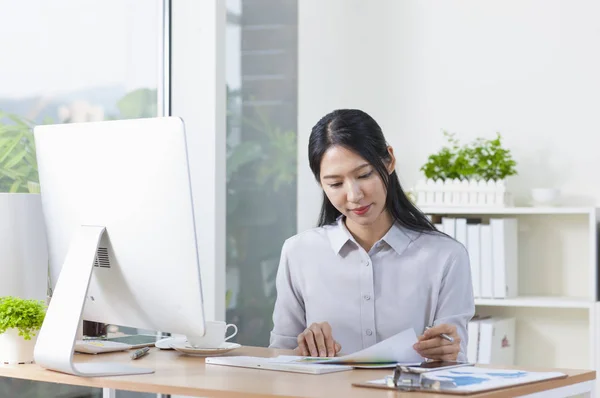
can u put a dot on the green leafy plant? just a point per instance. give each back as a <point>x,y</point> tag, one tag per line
<point>491,160</point>
<point>18,164</point>
<point>483,159</point>
<point>24,315</point>
<point>450,162</point>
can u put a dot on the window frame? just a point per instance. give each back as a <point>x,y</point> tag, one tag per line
<point>198,96</point>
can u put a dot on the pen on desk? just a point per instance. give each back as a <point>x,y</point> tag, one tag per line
<point>139,353</point>
<point>443,335</point>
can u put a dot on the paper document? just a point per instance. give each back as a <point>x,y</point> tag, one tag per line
<point>387,353</point>
<point>396,349</point>
<point>473,379</point>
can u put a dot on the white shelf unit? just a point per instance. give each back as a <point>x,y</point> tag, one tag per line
<point>507,210</point>
<point>536,302</point>
<point>557,311</point>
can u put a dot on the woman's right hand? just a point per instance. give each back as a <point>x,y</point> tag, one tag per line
<point>317,341</point>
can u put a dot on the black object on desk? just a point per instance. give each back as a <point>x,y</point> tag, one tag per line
<point>414,378</point>
<point>407,378</point>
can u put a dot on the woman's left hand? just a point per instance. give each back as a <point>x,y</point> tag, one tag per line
<point>432,346</point>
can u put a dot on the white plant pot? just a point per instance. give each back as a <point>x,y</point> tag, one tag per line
<point>14,349</point>
<point>463,193</point>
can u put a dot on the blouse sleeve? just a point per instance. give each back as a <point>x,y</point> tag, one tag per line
<point>289,319</point>
<point>456,304</point>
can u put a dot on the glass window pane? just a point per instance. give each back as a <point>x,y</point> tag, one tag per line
<point>71,61</point>
<point>261,56</point>
<point>74,61</point>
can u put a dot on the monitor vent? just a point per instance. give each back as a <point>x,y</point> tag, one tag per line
<point>102,258</point>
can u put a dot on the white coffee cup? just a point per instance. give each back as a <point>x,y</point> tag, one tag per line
<point>214,335</point>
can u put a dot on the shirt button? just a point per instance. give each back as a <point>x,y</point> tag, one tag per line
<point>369,332</point>
<point>367,297</point>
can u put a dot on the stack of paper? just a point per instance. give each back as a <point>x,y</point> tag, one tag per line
<point>394,350</point>
<point>397,349</point>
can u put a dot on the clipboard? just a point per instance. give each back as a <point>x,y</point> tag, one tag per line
<point>405,379</point>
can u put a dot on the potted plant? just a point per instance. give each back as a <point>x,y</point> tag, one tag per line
<point>20,321</point>
<point>449,163</point>
<point>465,175</point>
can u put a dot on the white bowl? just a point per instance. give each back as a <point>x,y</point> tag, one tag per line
<point>544,196</point>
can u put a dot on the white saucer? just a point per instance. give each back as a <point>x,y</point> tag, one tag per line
<point>183,347</point>
<point>165,344</point>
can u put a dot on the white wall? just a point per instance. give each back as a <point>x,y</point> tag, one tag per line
<point>528,69</point>
<point>339,66</point>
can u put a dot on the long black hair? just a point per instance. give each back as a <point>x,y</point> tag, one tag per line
<point>355,130</point>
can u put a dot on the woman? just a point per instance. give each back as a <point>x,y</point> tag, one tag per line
<point>376,265</point>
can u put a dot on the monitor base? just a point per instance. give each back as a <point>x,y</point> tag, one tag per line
<point>56,340</point>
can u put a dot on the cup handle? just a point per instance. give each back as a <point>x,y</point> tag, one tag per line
<point>234,332</point>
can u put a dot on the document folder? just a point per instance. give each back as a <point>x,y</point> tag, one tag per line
<point>459,381</point>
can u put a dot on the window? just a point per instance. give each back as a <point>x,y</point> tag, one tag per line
<point>70,61</point>
<point>261,75</point>
<point>73,61</point>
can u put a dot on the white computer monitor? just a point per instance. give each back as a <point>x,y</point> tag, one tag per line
<point>117,204</point>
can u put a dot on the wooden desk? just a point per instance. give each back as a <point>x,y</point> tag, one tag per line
<point>178,374</point>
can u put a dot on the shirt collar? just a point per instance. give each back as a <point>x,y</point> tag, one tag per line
<point>339,235</point>
<point>398,237</point>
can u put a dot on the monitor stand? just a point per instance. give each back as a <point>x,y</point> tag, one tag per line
<point>56,340</point>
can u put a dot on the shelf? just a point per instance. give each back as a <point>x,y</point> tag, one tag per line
<point>507,210</point>
<point>537,302</point>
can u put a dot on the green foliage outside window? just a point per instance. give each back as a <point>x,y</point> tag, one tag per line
<point>18,164</point>
<point>261,204</point>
